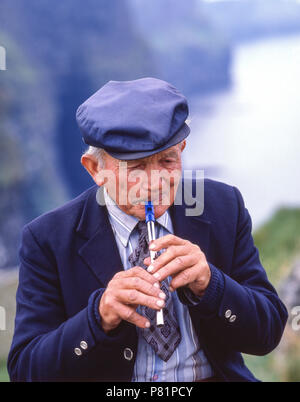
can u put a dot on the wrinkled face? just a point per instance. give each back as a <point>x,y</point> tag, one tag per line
<point>132,183</point>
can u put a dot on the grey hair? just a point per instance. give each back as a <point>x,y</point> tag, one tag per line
<point>98,153</point>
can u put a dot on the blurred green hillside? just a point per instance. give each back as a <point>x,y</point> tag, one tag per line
<point>278,242</point>
<point>3,372</point>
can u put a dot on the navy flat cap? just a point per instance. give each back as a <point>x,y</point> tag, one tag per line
<point>134,119</point>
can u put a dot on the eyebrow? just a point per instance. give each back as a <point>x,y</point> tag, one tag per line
<point>170,154</point>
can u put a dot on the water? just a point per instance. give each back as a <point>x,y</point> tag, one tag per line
<point>249,136</point>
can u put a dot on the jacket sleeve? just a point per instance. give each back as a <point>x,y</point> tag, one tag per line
<point>242,304</point>
<point>45,341</point>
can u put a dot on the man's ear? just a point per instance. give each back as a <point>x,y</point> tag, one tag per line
<point>182,145</point>
<point>90,163</point>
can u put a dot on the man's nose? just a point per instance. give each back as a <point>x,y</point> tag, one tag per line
<point>152,183</point>
<point>148,186</point>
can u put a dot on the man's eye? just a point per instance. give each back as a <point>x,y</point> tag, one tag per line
<point>136,167</point>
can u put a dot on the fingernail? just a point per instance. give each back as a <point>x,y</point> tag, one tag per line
<point>156,275</point>
<point>147,325</point>
<point>156,285</point>
<point>150,268</point>
<point>162,295</point>
<point>160,303</point>
<point>152,246</point>
<point>171,289</point>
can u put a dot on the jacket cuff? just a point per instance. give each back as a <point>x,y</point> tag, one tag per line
<point>95,320</point>
<point>208,304</point>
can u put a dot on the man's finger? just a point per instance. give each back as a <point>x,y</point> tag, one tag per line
<point>139,284</point>
<point>184,278</point>
<point>147,261</point>
<point>135,272</point>
<point>197,277</point>
<point>175,266</point>
<point>128,313</point>
<point>169,255</point>
<point>132,296</point>
<point>166,241</point>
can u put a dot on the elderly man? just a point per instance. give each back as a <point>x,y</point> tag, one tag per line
<point>88,292</point>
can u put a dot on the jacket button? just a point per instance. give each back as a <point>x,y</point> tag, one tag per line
<point>128,354</point>
<point>227,313</point>
<point>232,318</point>
<point>78,352</point>
<point>83,345</point>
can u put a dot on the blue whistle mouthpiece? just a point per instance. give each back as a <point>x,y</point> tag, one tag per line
<point>149,212</point>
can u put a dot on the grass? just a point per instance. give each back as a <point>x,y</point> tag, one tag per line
<point>3,371</point>
<point>7,300</point>
<point>278,242</point>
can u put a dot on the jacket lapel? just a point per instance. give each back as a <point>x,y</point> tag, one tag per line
<point>196,229</point>
<point>99,251</point>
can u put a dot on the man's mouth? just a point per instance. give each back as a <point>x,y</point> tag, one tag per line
<point>157,199</point>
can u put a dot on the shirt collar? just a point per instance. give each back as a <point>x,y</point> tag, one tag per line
<point>124,223</point>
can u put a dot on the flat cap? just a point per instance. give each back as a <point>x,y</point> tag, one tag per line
<point>134,119</point>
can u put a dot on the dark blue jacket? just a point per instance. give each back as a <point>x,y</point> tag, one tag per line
<point>68,256</point>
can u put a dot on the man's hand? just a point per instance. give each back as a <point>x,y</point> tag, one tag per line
<point>183,261</point>
<point>124,293</point>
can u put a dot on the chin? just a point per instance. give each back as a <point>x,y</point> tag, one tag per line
<point>160,210</point>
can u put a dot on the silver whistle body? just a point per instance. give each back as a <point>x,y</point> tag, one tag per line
<point>152,236</point>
